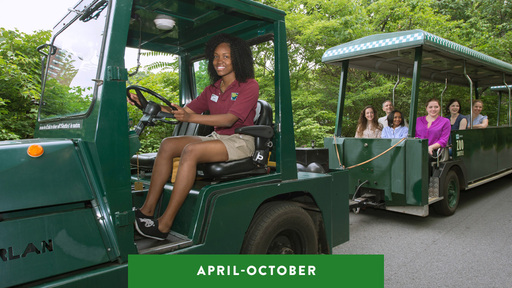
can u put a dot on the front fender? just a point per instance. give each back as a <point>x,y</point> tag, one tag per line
<point>54,178</point>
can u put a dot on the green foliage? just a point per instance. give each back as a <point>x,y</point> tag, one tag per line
<point>402,15</point>
<point>312,27</point>
<point>314,117</point>
<point>20,82</point>
<point>202,79</point>
<point>62,100</point>
<point>483,25</point>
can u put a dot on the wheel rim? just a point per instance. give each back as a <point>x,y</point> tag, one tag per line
<point>286,242</point>
<point>452,193</point>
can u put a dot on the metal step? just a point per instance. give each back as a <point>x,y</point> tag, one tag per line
<point>432,200</point>
<point>367,199</point>
<point>174,241</point>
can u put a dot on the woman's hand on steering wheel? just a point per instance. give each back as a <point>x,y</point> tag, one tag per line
<point>133,100</point>
<point>140,101</point>
<point>180,113</point>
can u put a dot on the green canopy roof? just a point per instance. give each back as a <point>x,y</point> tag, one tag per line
<point>442,59</point>
<point>501,88</point>
<point>199,20</point>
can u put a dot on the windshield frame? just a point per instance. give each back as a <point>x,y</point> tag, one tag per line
<point>57,32</point>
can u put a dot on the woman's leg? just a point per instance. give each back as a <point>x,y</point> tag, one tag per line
<point>194,153</point>
<point>170,148</point>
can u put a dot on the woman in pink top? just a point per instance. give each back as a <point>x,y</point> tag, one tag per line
<point>433,127</point>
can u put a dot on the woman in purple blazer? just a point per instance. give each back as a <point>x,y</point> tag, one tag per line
<point>433,127</point>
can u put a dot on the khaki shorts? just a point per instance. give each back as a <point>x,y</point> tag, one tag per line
<point>238,145</point>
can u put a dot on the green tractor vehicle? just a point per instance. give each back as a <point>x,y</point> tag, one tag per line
<point>67,195</point>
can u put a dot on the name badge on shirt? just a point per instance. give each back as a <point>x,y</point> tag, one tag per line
<point>214,98</point>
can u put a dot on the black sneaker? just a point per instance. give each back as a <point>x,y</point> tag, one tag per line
<point>139,218</point>
<point>139,214</point>
<point>149,228</point>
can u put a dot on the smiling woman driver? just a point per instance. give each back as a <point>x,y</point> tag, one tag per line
<point>231,99</point>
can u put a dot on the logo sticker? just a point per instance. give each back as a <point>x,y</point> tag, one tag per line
<point>233,96</point>
<point>214,98</point>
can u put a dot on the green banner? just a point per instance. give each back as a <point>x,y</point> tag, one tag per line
<point>256,270</point>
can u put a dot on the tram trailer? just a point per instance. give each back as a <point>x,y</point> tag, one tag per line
<point>397,174</point>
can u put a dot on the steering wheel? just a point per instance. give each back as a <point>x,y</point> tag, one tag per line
<point>152,111</point>
<point>143,101</point>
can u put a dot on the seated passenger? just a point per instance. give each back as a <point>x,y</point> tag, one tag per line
<point>457,120</point>
<point>367,126</point>
<point>231,99</point>
<point>398,128</point>
<point>479,121</point>
<point>387,107</point>
<point>433,127</point>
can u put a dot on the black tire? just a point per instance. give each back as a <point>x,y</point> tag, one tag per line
<point>281,228</point>
<point>450,190</point>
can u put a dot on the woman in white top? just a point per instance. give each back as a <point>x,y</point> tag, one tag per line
<point>367,126</point>
<point>479,121</point>
<point>397,129</point>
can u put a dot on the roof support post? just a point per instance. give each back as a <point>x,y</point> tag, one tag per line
<point>470,96</point>
<point>442,93</point>
<point>341,97</point>
<point>284,139</point>
<point>186,85</point>
<point>396,84</point>
<point>475,85</point>
<point>499,109</point>
<point>509,94</point>
<point>415,89</point>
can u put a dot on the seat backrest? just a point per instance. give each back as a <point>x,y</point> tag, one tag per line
<point>244,167</point>
<point>192,129</point>
<point>263,117</point>
<point>263,113</point>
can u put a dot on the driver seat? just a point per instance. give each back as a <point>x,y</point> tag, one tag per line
<point>262,132</point>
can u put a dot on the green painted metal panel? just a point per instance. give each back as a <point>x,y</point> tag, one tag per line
<point>484,152</point>
<point>231,210</point>
<point>400,173</point>
<point>201,223</point>
<point>417,172</point>
<point>480,157</point>
<point>56,177</point>
<point>50,244</point>
<point>108,276</point>
<point>337,217</point>
<point>504,148</point>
